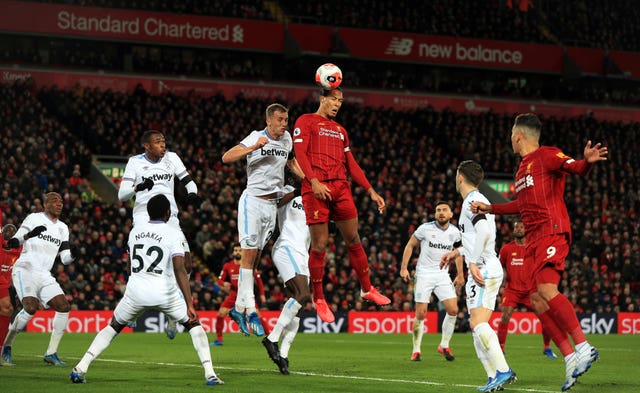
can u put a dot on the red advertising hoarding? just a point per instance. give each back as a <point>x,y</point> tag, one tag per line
<point>401,46</point>
<point>628,323</point>
<point>520,323</point>
<point>120,24</point>
<point>628,62</point>
<point>389,322</point>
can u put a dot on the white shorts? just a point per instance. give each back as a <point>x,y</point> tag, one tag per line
<point>129,308</point>
<point>40,285</point>
<point>173,221</point>
<point>256,221</point>
<point>485,297</point>
<point>438,283</point>
<point>290,262</point>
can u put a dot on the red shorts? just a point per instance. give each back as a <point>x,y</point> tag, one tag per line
<point>512,298</point>
<point>340,207</point>
<point>548,251</point>
<point>4,292</point>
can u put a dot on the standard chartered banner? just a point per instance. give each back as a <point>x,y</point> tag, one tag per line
<point>383,322</point>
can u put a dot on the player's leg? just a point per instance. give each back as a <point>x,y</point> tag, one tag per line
<point>539,306</point>
<point>359,261</point>
<point>319,239</point>
<point>448,326</point>
<point>62,307</point>
<point>222,313</point>
<point>101,342</point>
<point>503,328</point>
<point>26,286</point>
<point>418,330</point>
<point>6,309</point>
<point>481,306</point>
<point>288,335</point>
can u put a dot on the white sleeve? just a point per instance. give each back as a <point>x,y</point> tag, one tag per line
<point>181,173</point>
<point>250,140</point>
<point>483,233</point>
<point>26,227</point>
<point>65,255</point>
<point>127,190</point>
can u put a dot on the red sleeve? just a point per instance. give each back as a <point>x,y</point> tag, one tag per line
<point>555,159</point>
<point>224,275</point>
<point>503,255</point>
<point>301,139</point>
<point>506,208</point>
<point>259,282</point>
<point>357,174</point>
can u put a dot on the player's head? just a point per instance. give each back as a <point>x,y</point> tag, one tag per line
<point>159,208</point>
<point>8,231</point>
<point>53,204</point>
<point>330,102</point>
<point>526,130</point>
<point>277,119</point>
<point>518,229</point>
<point>154,144</point>
<point>237,251</point>
<point>469,173</point>
<point>444,212</point>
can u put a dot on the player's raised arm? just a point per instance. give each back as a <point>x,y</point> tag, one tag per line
<point>595,153</point>
<point>240,150</point>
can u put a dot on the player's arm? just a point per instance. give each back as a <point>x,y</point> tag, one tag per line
<point>294,166</point>
<point>65,249</point>
<point>128,188</point>
<point>260,285</point>
<point>592,155</point>
<point>458,281</point>
<point>27,230</point>
<point>503,208</point>
<point>245,147</point>
<point>183,283</point>
<point>406,256</point>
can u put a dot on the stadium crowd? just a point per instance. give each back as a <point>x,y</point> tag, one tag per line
<point>49,136</point>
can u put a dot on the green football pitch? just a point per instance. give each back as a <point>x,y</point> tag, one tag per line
<point>327,363</point>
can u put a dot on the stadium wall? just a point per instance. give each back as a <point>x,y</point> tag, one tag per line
<point>291,94</point>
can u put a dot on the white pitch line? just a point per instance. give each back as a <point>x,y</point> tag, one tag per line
<point>312,374</point>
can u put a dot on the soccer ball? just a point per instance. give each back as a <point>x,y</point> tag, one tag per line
<point>328,76</point>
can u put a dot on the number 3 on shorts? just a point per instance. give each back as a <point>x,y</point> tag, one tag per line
<point>551,251</point>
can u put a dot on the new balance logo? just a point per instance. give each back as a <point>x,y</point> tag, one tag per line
<point>399,46</point>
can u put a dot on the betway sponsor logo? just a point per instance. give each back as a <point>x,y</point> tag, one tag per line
<point>50,239</point>
<point>297,205</point>
<point>273,152</point>
<point>462,53</point>
<point>440,246</point>
<point>157,177</point>
<point>150,26</point>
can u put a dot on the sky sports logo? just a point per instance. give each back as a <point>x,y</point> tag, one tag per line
<point>399,46</point>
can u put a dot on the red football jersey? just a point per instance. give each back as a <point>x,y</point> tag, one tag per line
<point>7,259</point>
<point>539,185</point>
<point>323,142</point>
<point>512,259</point>
<point>231,272</point>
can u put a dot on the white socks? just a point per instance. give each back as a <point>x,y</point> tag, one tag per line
<point>19,323</point>
<point>99,344</point>
<point>417,332</point>
<point>448,326</point>
<point>289,334</point>
<point>246,299</point>
<point>489,340</point>
<point>289,311</point>
<point>201,344</point>
<point>59,325</point>
<point>483,356</point>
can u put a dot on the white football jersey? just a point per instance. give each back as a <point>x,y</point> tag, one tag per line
<point>152,246</point>
<point>265,166</point>
<point>488,263</point>
<point>39,253</point>
<point>163,173</point>
<point>434,243</point>
<point>292,222</point>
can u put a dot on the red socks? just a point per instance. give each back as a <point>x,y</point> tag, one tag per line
<point>267,331</point>
<point>4,328</point>
<point>219,327</point>
<point>316,270</point>
<point>360,264</point>
<point>558,335</point>
<point>503,329</point>
<point>566,318</point>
